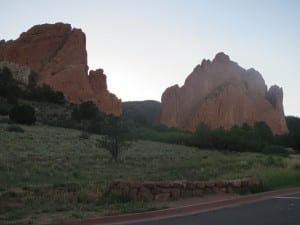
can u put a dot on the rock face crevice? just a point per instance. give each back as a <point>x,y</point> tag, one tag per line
<point>57,52</point>
<point>220,93</point>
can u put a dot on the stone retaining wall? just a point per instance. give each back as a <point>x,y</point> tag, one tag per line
<point>172,190</point>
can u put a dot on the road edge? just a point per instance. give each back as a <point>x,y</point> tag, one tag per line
<point>180,211</point>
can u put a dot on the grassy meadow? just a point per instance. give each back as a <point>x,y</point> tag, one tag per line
<point>49,173</point>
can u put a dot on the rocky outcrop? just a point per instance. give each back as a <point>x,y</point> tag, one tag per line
<point>220,93</point>
<point>57,53</point>
<point>173,190</point>
<point>103,99</point>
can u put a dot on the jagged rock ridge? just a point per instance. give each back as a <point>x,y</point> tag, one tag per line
<point>57,52</point>
<point>220,93</point>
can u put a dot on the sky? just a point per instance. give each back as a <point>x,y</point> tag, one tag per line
<point>145,46</point>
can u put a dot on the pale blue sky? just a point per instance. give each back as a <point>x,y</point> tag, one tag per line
<point>144,46</point>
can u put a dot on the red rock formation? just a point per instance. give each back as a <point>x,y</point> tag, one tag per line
<point>220,93</point>
<point>57,52</point>
<point>105,100</point>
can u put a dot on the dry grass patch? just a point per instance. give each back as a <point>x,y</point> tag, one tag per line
<point>293,162</point>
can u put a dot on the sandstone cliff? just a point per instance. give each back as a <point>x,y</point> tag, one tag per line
<point>57,52</point>
<point>220,93</point>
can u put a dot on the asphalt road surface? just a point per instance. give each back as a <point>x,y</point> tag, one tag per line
<point>283,210</point>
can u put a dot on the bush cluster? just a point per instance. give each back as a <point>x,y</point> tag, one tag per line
<point>5,107</point>
<point>42,93</point>
<point>258,138</point>
<point>45,94</point>
<point>9,87</point>
<point>85,111</point>
<point>12,90</point>
<point>23,114</point>
<point>292,139</point>
<point>240,139</point>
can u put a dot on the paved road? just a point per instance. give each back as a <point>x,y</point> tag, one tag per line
<point>283,210</point>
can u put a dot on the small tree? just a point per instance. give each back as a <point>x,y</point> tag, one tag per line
<point>32,80</point>
<point>50,95</point>
<point>205,136</point>
<point>292,139</point>
<point>5,107</point>
<point>85,111</point>
<point>9,87</point>
<point>24,114</point>
<point>263,132</point>
<point>42,93</point>
<point>116,138</point>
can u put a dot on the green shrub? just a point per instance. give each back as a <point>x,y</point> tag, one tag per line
<point>52,96</point>
<point>292,139</point>
<point>84,135</point>
<point>275,149</point>
<point>85,111</point>
<point>5,120</point>
<point>9,87</point>
<point>5,107</point>
<point>15,128</point>
<point>45,94</point>
<point>32,80</point>
<point>23,114</point>
<point>263,131</point>
<point>96,127</point>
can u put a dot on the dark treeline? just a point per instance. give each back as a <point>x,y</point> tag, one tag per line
<point>258,138</point>
<point>255,139</point>
<point>292,139</point>
<point>12,90</point>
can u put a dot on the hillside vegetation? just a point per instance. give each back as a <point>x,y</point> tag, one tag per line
<point>49,173</point>
<point>139,117</point>
<point>55,168</point>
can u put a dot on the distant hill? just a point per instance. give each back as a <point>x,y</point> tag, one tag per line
<point>141,112</point>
